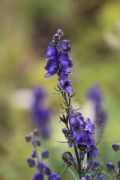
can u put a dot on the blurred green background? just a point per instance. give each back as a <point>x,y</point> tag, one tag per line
<point>26,27</point>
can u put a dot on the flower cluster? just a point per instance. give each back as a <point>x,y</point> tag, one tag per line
<point>37,161</point>
<point>40,115</point>
<point>58,61</point>
<point>116,146</point>
<point>81,133</point>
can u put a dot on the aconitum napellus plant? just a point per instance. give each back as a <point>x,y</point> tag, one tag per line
<point>78,131</point>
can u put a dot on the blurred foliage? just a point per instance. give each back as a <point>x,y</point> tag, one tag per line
<point>26,27</point>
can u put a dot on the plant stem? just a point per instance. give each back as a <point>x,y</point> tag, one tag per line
<point>68,104</point>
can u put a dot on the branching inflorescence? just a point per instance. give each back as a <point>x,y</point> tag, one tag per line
<point>41,116</point>
<point>78,131</point>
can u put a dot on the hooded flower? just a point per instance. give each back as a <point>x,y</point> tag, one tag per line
<point>58,61</point>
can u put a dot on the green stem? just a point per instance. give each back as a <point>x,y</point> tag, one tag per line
<point>68,104</point>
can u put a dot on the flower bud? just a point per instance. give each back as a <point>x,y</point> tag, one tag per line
<point>28,137</point>
<point>67,158</point>
<point>45,153</point>
<point>31,162</point>
<point>110,166</point>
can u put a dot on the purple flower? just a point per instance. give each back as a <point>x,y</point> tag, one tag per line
<point>38,176</point>
<point>70,143</point>
<point>110,166</point>
<point>34,154</point>
<point>116,147</point>
<point>94,152</point>
<point>65,85</point>
<point>28,137</point>
<point>51,51</point>
<point>45,153</point>
<point>31,162</point>
<point>100,177</point>
<point>65,62</point>
<point>87,177</point>
<point>36,143</point>
<point>54,176</point>
<point>38,94</point>
<point>66,133</point>
<point>51,67</point>
<point>43,168</point>
<point>89,126</point>
<point>84,137</point>
<point>95,165</point>
<point>76,120</point>
<point>94,95</point>
<point>65,46</point>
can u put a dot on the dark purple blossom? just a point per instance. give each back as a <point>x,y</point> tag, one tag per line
<point>93,152</point>
<point>65,46</point>
<point>51,52</point>
<point>118,164</point>
<point>36,143</point>
<point>87,177</point>
<point>66,133</point>
<point>110,166</point>
<point>85,137</point>
<point>43,168</point>
<point>116,147</point>
<point>89,126</point>
<point>54,176</point>
<point>100,177</point>
<point>45,153</point>
<point>28,137</point>
<point>64,62</point>
<point>58,61</point>
<point>38,176</point>
<point>34,153</point>
<point>70,143</point>
<point>95,165</point>
<point>31,162</point>
<point>65,85</point>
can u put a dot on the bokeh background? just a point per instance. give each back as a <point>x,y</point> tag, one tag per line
<point>26,27</point>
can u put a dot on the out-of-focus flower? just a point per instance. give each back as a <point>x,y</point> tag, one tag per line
<point>95,165</point>
<point>54,176</point>
<point>110,166</point>
<point>38,176</point>
<point>116,146</point>
<point>94,95</point>
<point>40,115</point>
<point>45,153</point>
<point>100,177</point>
<point>67,158</point>
<point>31,162</point>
